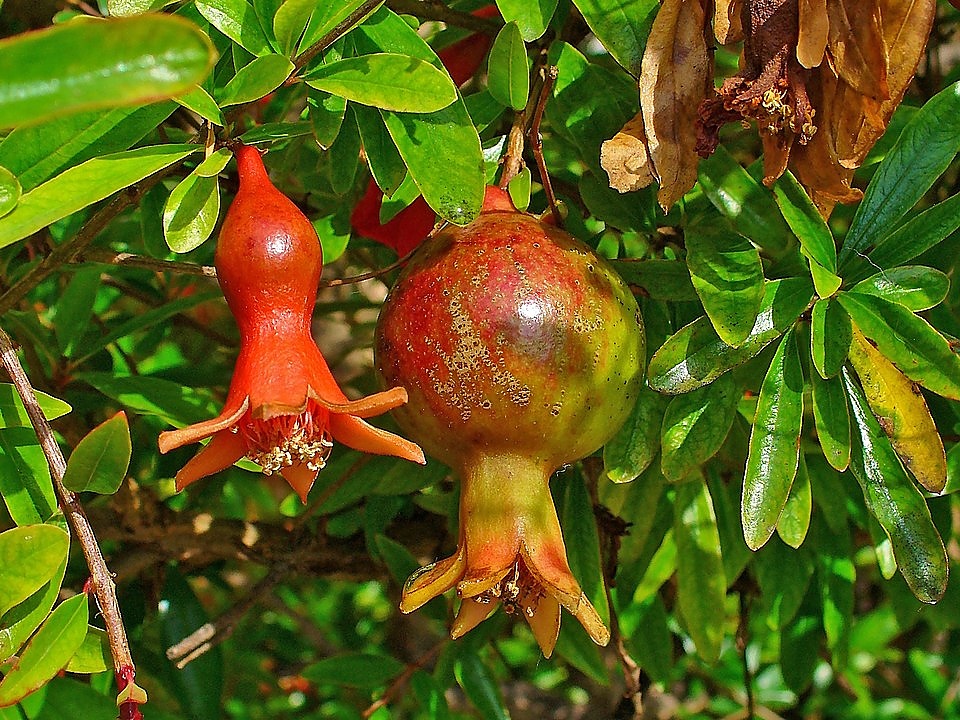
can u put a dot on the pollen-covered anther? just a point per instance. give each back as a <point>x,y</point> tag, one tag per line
<point>287,440</point>
<point>519,592</point>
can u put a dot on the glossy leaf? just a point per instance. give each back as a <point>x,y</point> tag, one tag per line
<point>14,414</point>
<point>29,558</point>
<point>695,425</point>
<point>327,16</point>
<point>167,400</point>
<point>354,670</point>
<point>837,574</point>
<point>774,445</point>
<point>10,191</point>
<point>830,333</point>
<point>389,81</point>
<point>805,221</point>
<point>191,212</point>
<point>795,518</point>
<point>658,278</point>
<point>628,453</point>
<point>100,460</point>
<point>920,352</point>
<point>290,21</point>
<point>918,234</point>
<point>914,286</point>
<point>896,503</point>
<point>238,21</point>
<point>261,77</point>
<point>84,185</point>
<point>480,687</point>
<point>695,355</point>
<point>783,575</point>
<point>74,309</point>
<point>577,520</point>
<point>93,655</point>
<point>382,155</point>
<point>832,420</point>
<point>120,8</point>
<point>326,116</point>
<point>902,413</point>
<point>507,76</point>
<point>199,101</point>
<point>622,26</point>
<point>20,622</point>
<point>137,59</point>
<point>825,282</point>
<point>531,16</point>
<point>701,585</point>
<point>48,652</point>
<point>925,148</point>
<point>726,272</point>
<point>25,483</point>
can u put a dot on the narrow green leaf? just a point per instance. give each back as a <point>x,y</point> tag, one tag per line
<point>25,483</point>
<point>84,185</point>
<point>275,131</point>
<point>921,353</point>
<point>795,519</point>
<point>199,101</point>
<point>520,187</point>
<point>290,21</point>
<point>837,574</point>
<point>825,282</point>
<point>238,21</point>
<point>100,460</point>
<point>578,521</point>
<point>29,558</point>
<point>170,401</point>
<point>783,575</point>
<point>19,623</point>
<point>925,148</point>
<point>531,16</point>
<point>662,565</point>
<point>508,78</point>
<point>121,8</point>
<point>897,504</point>
<point>362,670</point>
<point>261,77</point>
<point>328,16</point>
<point>800,643</point>
<point>701,584</point>
<point>725,270</point>
<point>832,420</point>
<point>48,652</point>
<point>695,355</point>
<point>914,286</point>
<point>695,425</point>
<point>13,414</point>
<point>480,687</point>
<point>830,335</point>
<point>750,207</point>
<point>137,59</point>
<point>214,163</point>
<point>805,221</point>
<point>326,113</point>
<point>382,155</point>
<point>74,308</point>
<point>628,453</point>
<point>191,212</point>
<point>622,26</point>
<point>774,445</point>
<point>388,81</point>
<point>660,279</point>
<point>917,235</point>
<point>10,191</point>
<point>343,158</point>
<point>93,655</point>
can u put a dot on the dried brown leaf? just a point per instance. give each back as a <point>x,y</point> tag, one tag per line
<point>675,74</point>
<point>625,157</point>
<point>814,29</point>
<point>727,21</point>
<point>857,46</point>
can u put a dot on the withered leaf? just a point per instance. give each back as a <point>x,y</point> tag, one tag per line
<point>857,46</point>
<point>727,21</point>
<point>625,158</point>
<point>814,29</point>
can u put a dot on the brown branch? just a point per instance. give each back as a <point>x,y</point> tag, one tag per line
<point>331,37</point>
<point>536,140</point>
<point>403,678</point>
<point>374,273</point>
<point>436,10</point>
<point>101,580</point>
<point>108,257</point>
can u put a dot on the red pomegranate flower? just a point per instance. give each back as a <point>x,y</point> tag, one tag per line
<point>284,408</point>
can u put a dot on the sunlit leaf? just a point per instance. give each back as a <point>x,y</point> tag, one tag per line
<point>99,461</point>
<point>29,558</point>
<point>507,76</point>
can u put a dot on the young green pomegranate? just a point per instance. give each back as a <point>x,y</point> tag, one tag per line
<point>521,350</point>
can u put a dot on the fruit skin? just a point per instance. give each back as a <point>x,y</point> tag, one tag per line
<point>284,407</point>
<point>521,350</point>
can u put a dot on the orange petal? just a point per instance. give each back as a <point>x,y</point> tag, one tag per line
<point>354,432</point>
<point>428,582</point>
<point>301,479</point>
<point>368,406</point>
<point>172,439</point>
<point>220,453</point>
<point>545,624</point>
<point>584,612</point>
<point>471,614</point>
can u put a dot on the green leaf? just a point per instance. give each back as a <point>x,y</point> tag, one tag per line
<point>725,270</point>
<point>93,655</point>
<point>921,353</point>
<point>622,26</point>
<point>897,504</point>
<point>121,8</point>
<point>360,670</point>
<point>100,460</point>
<point>261,77</point>
<point>628,453</point>
<point>660,279</point>
<point>389,81</point>
<point>238,21</point>
<point>480,687</point>
<point>19,623</point>
<point>273,132</point>
<point>914,286</point>
<point>925,148</point>
<point>825,282</point>
<point>695,356</point>
<point>800,645</point>
<point>578,521</point>
<point>832,420</point>
<point>531,16</point>
<point>806,222</point>
<point>507,76</point>
<point>137,59</point>
<point>10,191</point>
<point>199,101</point>
<point>343,158</point>
<point>74,308</point>
<point>25,482</point>
<point>29,558</point>
<point>327,16</point>
<point>48,652</point>
<point>190,213</point>
<point>701,584</point>
<point>695,425</point>
<point>837,574</point>
<point>748,205</point>
<point>170,401</point>
<point>84,185</point>
<point>830,334</point>
<point>290,21</point>
<point>774,445</point>
<point>795,518</point>
<point>14,414</point>
<point>326,113</point>
<point>382,155</point>
<point>917,235</point>
<point>783,575</point>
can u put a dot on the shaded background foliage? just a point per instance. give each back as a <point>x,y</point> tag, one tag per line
<point>759,433</point>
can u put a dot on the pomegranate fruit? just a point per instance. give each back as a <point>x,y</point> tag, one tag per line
<point>284,409</point>
<point>521,350</point>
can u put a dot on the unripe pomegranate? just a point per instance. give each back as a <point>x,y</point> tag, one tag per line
<point>521,350</point>
<point>284,408</point>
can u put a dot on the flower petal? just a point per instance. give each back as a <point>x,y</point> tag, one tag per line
<point>172,439</point>
<point>471,614</point>
<point>545,624</point>
<point>368,406</point>
<point>220,453</point>
<point>583,611</point>
<point>428,582</point>
<point>354,432</point>
<point>301,479</point>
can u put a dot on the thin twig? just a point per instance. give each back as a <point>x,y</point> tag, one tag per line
<point>536,140</point>
<point>743,639</point>
<point>400,681</point>
<point>436,10</point>
<point>104,588</point>
<point>335,34</point>
<point>108,257</point>
<point>373,273</point>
